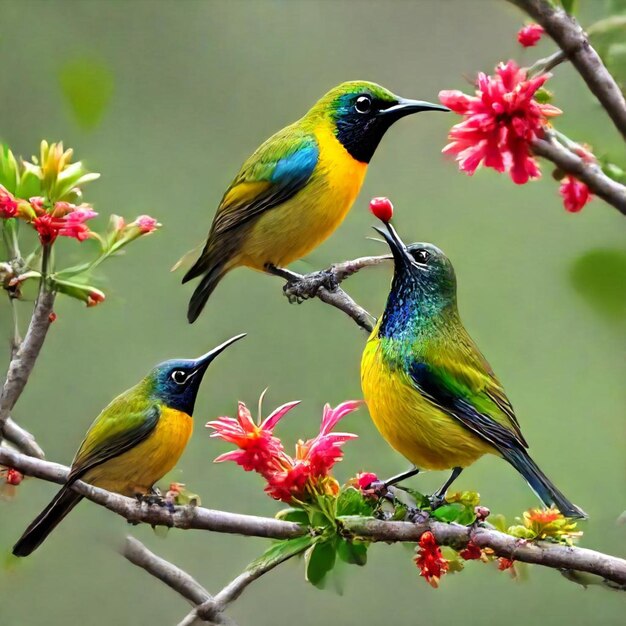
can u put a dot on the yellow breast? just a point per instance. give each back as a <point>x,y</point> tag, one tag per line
<point>136,471</point>
<point>290,231</point>
<point>425,435</point>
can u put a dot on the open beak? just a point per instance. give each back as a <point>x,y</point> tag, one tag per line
<point>203,362</point>
<point>402,258</point>
<point>407,107</point>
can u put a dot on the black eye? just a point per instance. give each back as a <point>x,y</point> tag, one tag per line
<point>421,256</point>
<point>363,104</point>
<point>179,377</point>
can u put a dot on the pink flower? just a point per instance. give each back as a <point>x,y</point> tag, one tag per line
<point>256,442</point>
<point>146,224</point>
<point>70,225</point>
<point>499,123</point>
<point>363,480</point>
<point>575,194</point>
<point>8,203</point>
<point>288,478</point>
<point>529,35</point>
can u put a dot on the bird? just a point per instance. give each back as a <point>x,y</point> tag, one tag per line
<point>298,186</point>
<point>430,392</point>
<point>133,443</point>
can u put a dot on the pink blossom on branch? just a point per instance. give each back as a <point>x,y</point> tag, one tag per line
<point>530,35</point>
<point>146,224</point>
<point>575,194</point>
<point>288,478</point>
<point>499,123</point>
<point>8,203</point>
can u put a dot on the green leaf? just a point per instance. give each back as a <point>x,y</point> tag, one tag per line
<point>298,516</point>
<point>599,276</point>
<point>319,560</point>
<point>450,513</point>
<point>87,85</point>
<point>421,501</point>
<point>569,6</point>
<point>353,552</point>
<point>29,184</point>
<point>282,550</point>
<point>351,502</point>
<point>521,532</point>
<point>9,175</point>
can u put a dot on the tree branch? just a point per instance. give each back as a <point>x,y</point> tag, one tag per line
<point>22,439</point>
<point>610,568</point>
<point>572,39</point>
<point>589,173</point>
<point>172,576</point>
<point>22,363</point>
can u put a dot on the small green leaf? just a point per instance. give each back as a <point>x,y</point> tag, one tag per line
<point>521,532</point>
<point>353,552</point>
<point>87,85</point>
<point>282,550</point>
<point>421,501</point>
<point>351,502</point>
<point>569,6</point>
<point>298,516</point>
<point>9,175</point>
<point>29,184</point>
<point>319,560</point>
<point>449,512</point>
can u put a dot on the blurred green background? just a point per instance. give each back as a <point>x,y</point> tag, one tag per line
<point>166,99</point>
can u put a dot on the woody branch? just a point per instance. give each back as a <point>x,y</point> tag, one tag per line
<point>556,556</point>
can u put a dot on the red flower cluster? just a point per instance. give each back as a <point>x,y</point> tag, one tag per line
<point>12,476</point>
<point>8,204</point>
<point>530,35</point>
<point>66,220</point>
<point>506,564</point>
<point>288,478</point>
<point>429,559</point>
<point>575,194</point>
<point>499,123</point>
<point>471,552</point>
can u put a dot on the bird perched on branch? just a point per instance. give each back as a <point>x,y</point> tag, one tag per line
<point>430,392</point>
<point>298,186</point>
<point>133,443</point>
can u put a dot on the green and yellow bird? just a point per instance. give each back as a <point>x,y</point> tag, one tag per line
<point>133,443</point>
<point>298,186</point>
<point>430,392</point>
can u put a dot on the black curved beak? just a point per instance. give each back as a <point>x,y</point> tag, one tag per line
<point>407,107</point>
<point>201,363</point>
<point>402,259</point>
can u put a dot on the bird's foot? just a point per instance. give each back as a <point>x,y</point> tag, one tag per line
<point>437,500</point>
<point>300,289</point>
<point>154,498</point>
<point>380,489</point>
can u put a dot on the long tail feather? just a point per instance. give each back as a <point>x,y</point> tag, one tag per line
<point>46,521</point>
<point>204,290</point>
<point>541,484</point>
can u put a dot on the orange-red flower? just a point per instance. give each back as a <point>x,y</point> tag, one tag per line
<point>530,35</point>
<point>575,194</point>
<point>471,551</point>
<point>65,220</point>
<point>499,123</point>
<point>506,564</point>
<point>429,559</point>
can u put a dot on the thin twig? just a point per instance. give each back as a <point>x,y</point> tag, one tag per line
<point>555,556</point>
<point>172,576</point>
<point>589,173</point>
<point>547,63</point>
<point>24,360</point>
<point>22,439</point>
<point>573,41</point>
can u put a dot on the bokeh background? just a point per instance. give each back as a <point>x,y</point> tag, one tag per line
<point>166,99</point>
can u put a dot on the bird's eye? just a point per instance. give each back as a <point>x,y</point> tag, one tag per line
<point>179,377</point>
<point>363,104</point>
<point>421,256</point>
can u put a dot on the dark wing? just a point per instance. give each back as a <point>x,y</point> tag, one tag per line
<point>114,432</point>
<point>477,407</point>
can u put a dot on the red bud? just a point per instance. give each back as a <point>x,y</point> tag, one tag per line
<point>13,477</point>
<point>382,208</point>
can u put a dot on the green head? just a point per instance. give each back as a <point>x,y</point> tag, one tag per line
<point>361,112</point>
<point>176,382</point>
<point>423,289</point>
